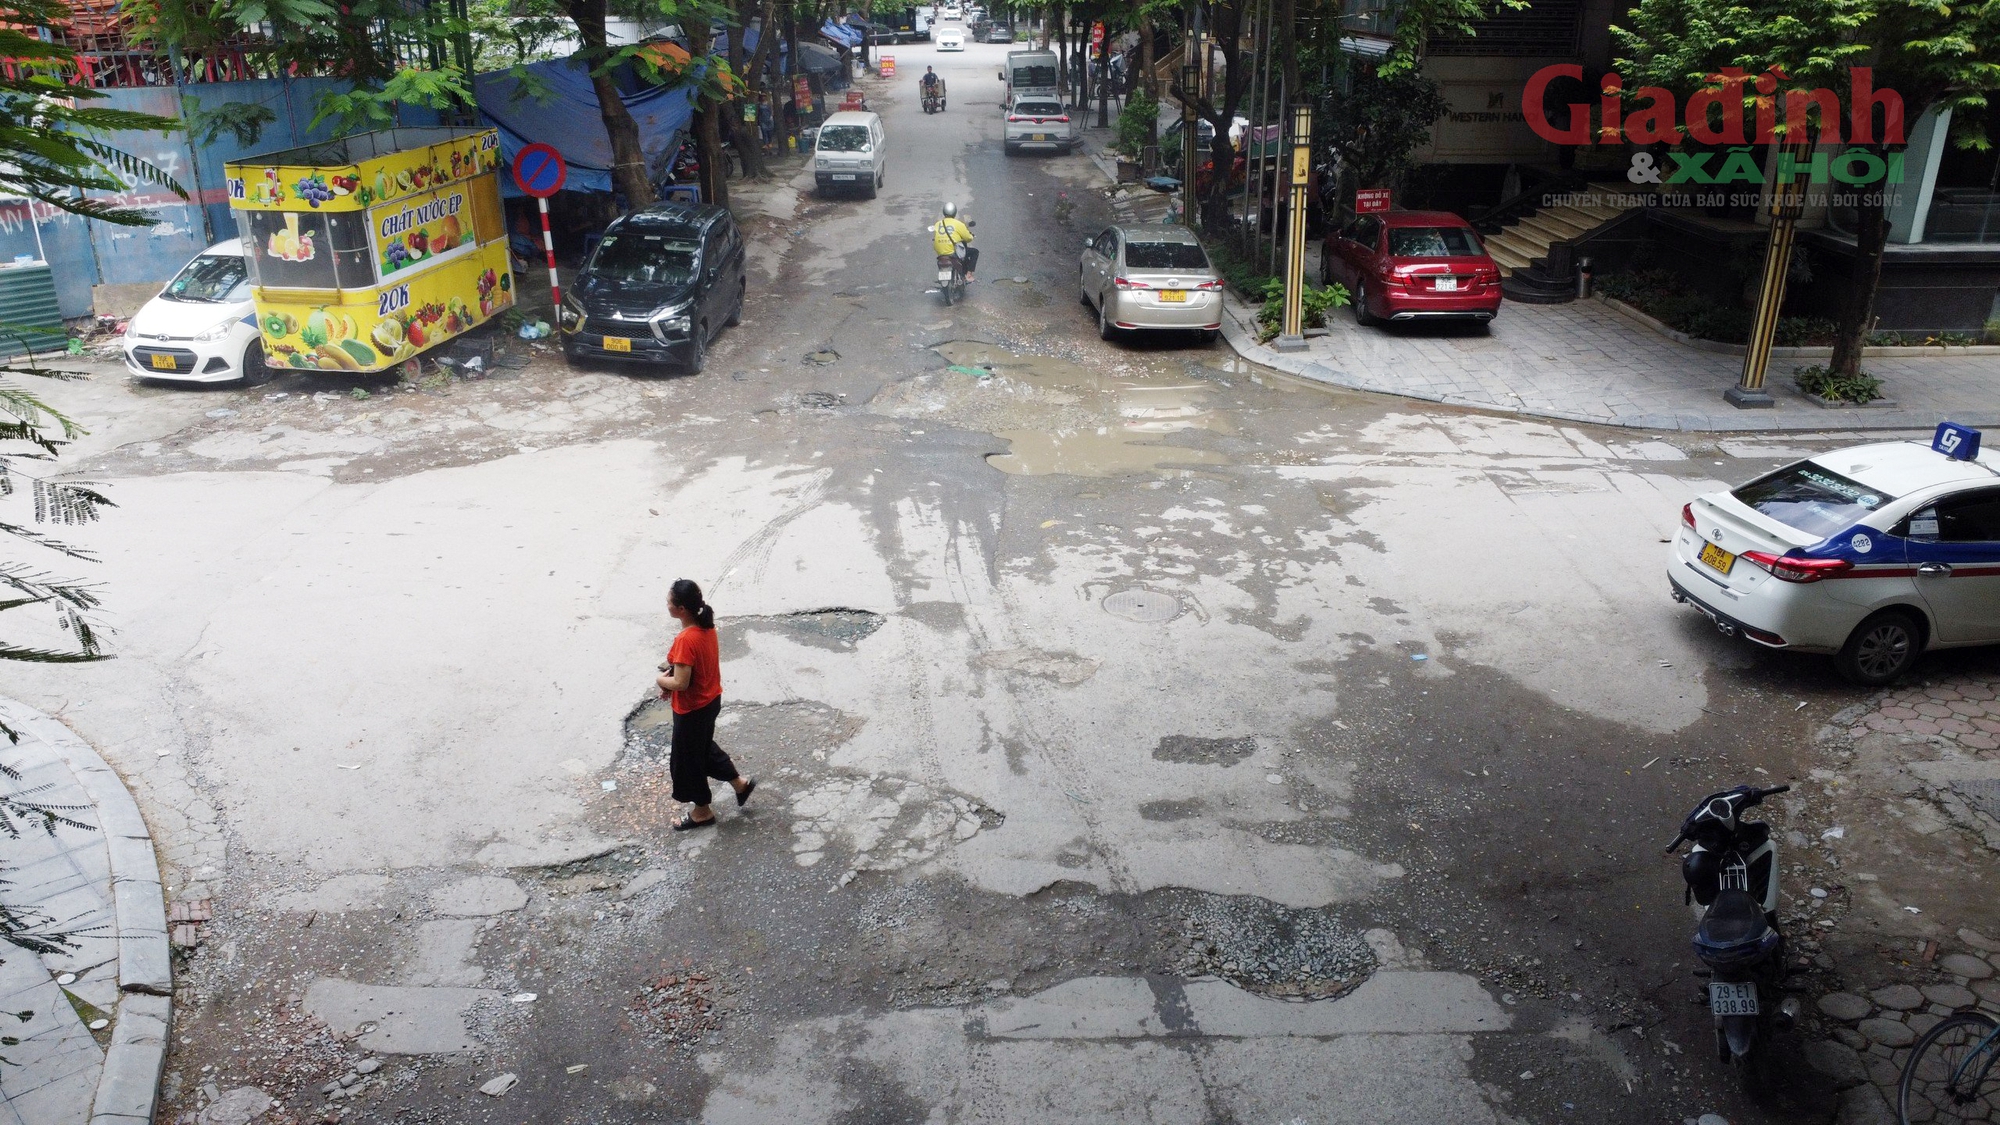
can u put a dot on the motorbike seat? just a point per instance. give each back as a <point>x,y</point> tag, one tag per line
<point>1734,928</point>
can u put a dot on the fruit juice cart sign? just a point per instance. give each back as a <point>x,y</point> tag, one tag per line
<point>366,250</point>
<point>419,232</point>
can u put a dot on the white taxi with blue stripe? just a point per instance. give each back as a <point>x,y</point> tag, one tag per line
<point>1874,554</point>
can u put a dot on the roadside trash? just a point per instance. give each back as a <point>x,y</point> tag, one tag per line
<point>975,372</point>
<point>99,1025</point>
<point>75,346</point>
<point>1833,834</point>
<point>66,978</point>
<point>533,330</point>
<point>500,1085</point>
<point>1649,765</point>
<point>1801,706</point>
<point>1665,664</point>
<point>222,412</point>
<point>1817,892</point>
<point>1419,656</point>
<point>1527,1076</point>
<point>610,786</point>
<point>577,1069</point>
<point>1913,910</point>
<point>522,998</point>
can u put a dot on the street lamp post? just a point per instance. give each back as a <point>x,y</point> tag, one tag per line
<point>1190,157</point>
<point>1291,337</point>
<point>1787,204</point>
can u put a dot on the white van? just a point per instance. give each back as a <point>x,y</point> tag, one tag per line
<point>850,152</point>
<point>1029,74</point>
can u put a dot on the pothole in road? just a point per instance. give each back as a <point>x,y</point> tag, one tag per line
<point>1189,750</point>
<point>1060,417</point>
<point>1258,945</point>
<point>822,357</point>
<point>837,628</point>
<point>813,400</point>
<point>1149,607</point>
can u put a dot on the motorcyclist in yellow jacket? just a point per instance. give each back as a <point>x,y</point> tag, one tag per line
<point>949,233</point>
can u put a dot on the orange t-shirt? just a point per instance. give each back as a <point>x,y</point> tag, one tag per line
<point>695,647</point>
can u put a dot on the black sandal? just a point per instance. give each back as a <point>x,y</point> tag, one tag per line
<point>743,794</point>
<point>689,823</point>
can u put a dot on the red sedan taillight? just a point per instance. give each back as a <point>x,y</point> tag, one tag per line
<point>1793,569</point>
<point>1687,516</point>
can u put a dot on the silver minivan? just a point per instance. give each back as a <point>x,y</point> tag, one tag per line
<point>851,152</point>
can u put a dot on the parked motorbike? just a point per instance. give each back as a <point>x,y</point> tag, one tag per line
<point>1732,871</point>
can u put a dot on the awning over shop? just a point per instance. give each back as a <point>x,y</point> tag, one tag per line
<point>569,118</point>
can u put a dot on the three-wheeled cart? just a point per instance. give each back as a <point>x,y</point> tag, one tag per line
<point>367,250</point>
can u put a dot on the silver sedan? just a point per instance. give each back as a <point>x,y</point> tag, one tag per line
<point>1150,276</point>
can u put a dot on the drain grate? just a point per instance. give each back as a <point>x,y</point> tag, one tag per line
<point>1143,605</point>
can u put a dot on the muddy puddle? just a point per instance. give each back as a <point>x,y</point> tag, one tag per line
<point>1062,417</point>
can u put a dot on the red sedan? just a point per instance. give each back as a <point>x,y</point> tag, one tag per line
<point>1412,265</point>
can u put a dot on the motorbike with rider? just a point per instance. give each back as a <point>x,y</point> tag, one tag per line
<point>951,238</point>
<point>932,87</point>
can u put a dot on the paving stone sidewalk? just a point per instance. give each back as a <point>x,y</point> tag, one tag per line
<point>95,1035</point>
<point>1585,362</point>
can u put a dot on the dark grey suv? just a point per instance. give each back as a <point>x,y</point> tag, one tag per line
<point>660,285</point>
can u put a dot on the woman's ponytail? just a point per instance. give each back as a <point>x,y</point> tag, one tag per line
<point>687,595</point>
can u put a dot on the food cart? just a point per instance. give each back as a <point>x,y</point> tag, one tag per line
<point>367,250</point>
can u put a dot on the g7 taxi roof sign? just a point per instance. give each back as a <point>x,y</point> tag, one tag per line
<point>1960,443</point>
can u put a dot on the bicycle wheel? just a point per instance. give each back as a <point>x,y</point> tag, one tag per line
<point>1952,1076</point>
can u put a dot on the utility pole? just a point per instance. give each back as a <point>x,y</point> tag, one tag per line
<point>1787,204</point>
<point>1291,337</point>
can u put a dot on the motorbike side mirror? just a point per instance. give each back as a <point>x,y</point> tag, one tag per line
<point>972,222</point>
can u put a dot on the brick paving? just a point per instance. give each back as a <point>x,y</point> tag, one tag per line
<point>1585,362</point>
<point>1965,712</point>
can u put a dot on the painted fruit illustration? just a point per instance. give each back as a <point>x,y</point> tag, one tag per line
<point>363,354</point>
<point>404,182</point>
<point>448,233</point>
<point>388,336</point>
<point>381,185</point>
<point>419,243</point>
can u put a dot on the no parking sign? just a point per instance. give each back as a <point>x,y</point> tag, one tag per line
<point>539,171</point>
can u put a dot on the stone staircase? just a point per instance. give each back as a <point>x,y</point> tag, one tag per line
<point>1521,249</point>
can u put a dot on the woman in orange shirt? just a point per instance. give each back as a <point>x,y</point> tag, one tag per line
<point>692,678</point>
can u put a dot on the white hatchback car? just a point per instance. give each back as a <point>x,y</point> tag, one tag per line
<point>1874,554</point>
<point>202,328</point>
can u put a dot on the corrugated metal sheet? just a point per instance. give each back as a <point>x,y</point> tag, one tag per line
<point>29,315</point>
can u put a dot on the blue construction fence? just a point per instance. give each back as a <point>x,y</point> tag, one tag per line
<point>83,253</point>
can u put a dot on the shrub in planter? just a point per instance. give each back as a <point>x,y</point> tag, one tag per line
<point>1136,122</point>
<point>1314,302</point>
<point>1858,389</point>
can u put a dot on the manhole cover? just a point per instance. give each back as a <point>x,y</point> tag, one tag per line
<point>1148,606</point>
<point>823,356</point>
<point>1982,794</point>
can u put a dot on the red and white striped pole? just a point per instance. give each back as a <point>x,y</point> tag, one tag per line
<point>549,246</point>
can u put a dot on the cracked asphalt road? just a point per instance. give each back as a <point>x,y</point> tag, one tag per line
<point>1143,736</point>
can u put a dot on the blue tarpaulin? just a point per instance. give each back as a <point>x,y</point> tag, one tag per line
<point>845,36</point>
<point>571,120</point>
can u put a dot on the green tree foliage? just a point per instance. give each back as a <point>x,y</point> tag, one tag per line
<point>1376,129</point>
<point>1933,53</point>
<point>52,147</point>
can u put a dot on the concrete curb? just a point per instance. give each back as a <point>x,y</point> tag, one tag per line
<point>129,1085</point>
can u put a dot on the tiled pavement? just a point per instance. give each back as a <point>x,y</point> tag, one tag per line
<point>99,885</point>
<point>1584,362</point>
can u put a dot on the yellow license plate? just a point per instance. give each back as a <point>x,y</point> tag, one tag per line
<point>1173,295</point>
<point>1039,137</point>
<point>1717,559</point>
<point>165,363</point>
<point>617,344</point>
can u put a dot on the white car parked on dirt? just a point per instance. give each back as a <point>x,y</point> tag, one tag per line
<point>202,328</point>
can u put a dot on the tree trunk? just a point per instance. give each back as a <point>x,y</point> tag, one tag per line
<point>628,158</point>
<point>1225,30</point>
<point>1145,59</point>
<point>748,134</point>
<point>707,129</point>
<point>1871,234</point>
